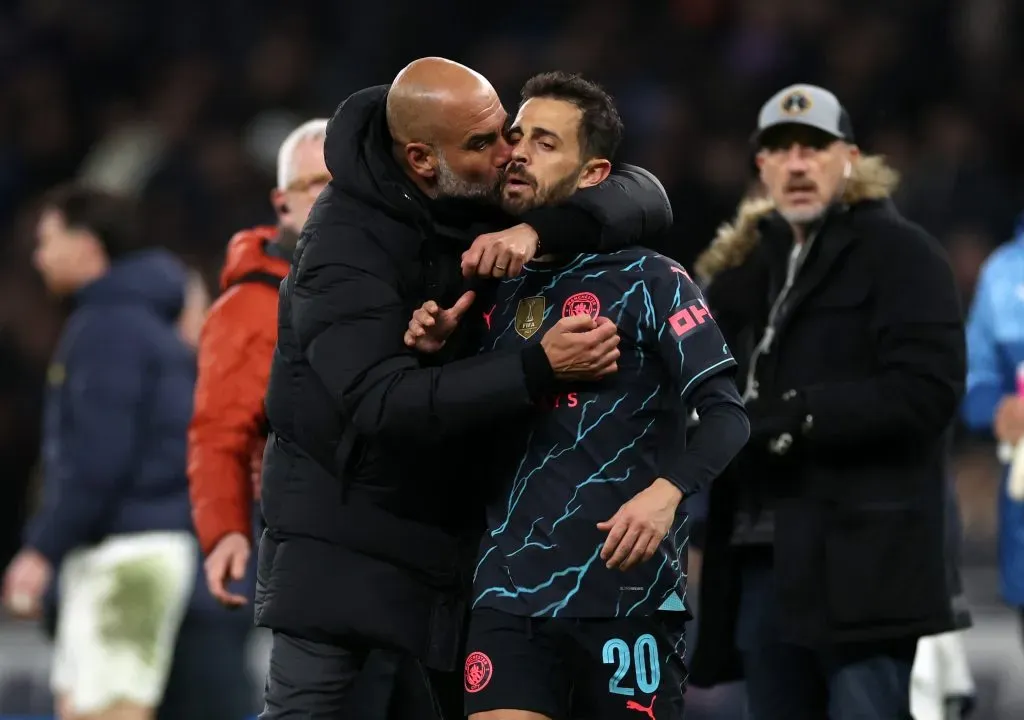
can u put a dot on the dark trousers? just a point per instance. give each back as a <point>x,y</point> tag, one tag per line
<point>209,678</point>
<point>865,681</point>
<point>318,681</point>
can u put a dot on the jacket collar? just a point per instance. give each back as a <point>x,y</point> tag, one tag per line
<point>871,185</point>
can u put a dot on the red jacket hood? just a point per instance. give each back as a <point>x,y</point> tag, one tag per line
<point>247,253</point>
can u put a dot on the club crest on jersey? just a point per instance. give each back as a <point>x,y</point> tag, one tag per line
<point>478,672</point>
<point>529,316</point>
<point>584,303</point>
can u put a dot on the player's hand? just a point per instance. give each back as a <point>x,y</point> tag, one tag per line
<point>581,348</point>
<point>25,582</point>
<point>1008,425</point>
<point>227,563</point>
<point>432,325</point>
<point>501,254</point>
<point>640,526</point>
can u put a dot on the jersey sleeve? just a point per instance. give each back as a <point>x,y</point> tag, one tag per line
<point>689,340</point>
<point>694,352</point>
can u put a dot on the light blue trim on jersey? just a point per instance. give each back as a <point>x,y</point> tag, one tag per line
<point>673,603</point>
<point>728,361</point>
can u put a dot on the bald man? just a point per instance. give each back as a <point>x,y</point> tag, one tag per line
<point>370,490</point>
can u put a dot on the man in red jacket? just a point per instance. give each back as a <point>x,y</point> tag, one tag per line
<point>227,433</point>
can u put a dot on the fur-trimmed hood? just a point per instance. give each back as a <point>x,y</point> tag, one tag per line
<point>871,179</point>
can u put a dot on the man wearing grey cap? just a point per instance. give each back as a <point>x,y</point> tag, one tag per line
<point>824,556</point>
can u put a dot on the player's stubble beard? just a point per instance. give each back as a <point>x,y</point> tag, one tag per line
<point>560,190</point>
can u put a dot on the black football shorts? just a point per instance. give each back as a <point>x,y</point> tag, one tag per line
<point>627,668</point>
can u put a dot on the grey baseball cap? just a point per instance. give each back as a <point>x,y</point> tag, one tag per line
<point>807,105</point>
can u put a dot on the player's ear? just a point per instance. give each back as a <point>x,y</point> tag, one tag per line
<point>594,172</point>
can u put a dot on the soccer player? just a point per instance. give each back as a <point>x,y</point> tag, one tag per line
<point>579,591</point>
<point>114,523</point>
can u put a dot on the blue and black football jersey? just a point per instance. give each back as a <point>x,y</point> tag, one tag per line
<point>596,444</point>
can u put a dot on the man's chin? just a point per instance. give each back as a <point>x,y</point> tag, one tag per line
<point>802,215</point>
<point>518,202</point>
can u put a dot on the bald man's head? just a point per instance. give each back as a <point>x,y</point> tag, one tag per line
<point>447,123</point>
<point>428,93</point>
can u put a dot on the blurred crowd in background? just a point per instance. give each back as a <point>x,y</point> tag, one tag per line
<point>185,104</point>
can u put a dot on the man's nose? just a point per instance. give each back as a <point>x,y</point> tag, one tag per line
<point>796,158</point>
<point>520,155</point>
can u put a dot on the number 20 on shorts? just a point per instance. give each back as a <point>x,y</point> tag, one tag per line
<point>643,657</point>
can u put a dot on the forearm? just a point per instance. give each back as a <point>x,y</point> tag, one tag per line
<point>718,437</point>
<point>222,440</point>
<point>220,488</point>
<point>71,517</point>
<point>86,476</point>
<point>396,400</point>
<point>564,229</point>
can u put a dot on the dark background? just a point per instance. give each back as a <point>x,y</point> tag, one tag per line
<point>185,103</point>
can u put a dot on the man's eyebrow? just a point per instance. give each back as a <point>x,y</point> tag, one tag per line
<point>486,138</point>
<point>536,132</point>
<point>539,131</point>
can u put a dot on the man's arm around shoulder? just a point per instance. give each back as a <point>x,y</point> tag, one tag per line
<point>350,317</point>
<point>631,205</point>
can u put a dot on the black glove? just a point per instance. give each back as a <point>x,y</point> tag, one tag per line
<point>777,422</point>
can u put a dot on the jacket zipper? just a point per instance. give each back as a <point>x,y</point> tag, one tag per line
<point>796,262</point>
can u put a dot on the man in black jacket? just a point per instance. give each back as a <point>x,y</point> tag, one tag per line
<point>368,488</point>
<point>824,558</point>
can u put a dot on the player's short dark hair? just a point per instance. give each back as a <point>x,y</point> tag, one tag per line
<point>113,219</point>
<point>600,126</point>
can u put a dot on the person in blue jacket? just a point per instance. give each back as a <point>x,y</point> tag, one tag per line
<point>993,403</point>
<point>114,524</point>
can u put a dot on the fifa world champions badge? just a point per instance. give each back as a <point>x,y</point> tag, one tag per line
<point>529,316</point>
